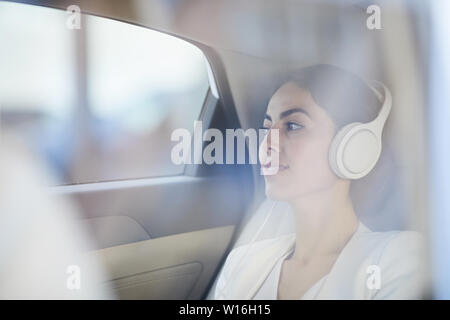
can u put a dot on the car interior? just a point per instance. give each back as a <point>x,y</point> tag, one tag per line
<point>163,231</point>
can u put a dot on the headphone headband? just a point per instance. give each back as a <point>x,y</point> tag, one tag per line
<point>385,99</point>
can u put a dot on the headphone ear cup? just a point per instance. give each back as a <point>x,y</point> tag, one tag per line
<point>354,151</point>
<point>332,153</point>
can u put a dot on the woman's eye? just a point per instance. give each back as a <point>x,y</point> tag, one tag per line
<point>291,126</point>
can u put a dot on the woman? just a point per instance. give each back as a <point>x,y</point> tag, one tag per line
<point>332,254</point>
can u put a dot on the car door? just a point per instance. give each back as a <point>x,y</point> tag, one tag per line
<point>99,100</point>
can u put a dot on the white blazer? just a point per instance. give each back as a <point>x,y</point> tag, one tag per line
<point>372,265</point>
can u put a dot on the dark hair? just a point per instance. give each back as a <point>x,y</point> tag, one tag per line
<point>343,95</point>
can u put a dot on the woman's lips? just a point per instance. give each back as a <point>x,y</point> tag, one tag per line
<point>281,167</point>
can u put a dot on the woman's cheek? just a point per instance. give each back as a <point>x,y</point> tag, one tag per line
<point>309,157</point>
<point>299,149</point>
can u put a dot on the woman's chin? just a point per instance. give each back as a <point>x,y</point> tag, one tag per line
<point>276,193</point>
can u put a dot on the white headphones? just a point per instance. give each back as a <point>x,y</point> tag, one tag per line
<point>356,148</point>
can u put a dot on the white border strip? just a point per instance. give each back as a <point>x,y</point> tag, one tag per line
<point>439,140</point>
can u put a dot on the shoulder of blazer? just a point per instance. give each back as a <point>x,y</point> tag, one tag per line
<point>388,244</point>
<point>397,254</point>
<point>402,266</point>
<point>399,257</point>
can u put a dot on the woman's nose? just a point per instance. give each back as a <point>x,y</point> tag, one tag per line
<point>272,140</point>
<point>269,145</point>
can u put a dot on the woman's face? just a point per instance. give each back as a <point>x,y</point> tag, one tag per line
<point>305,133</point>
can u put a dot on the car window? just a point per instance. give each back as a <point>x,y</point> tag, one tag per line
<point>98,103</point>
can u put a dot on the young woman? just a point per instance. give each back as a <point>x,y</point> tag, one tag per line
<point>332,254</point>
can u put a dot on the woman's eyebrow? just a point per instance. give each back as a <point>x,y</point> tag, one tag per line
<point>286,113</point>
<point>266,116</point>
